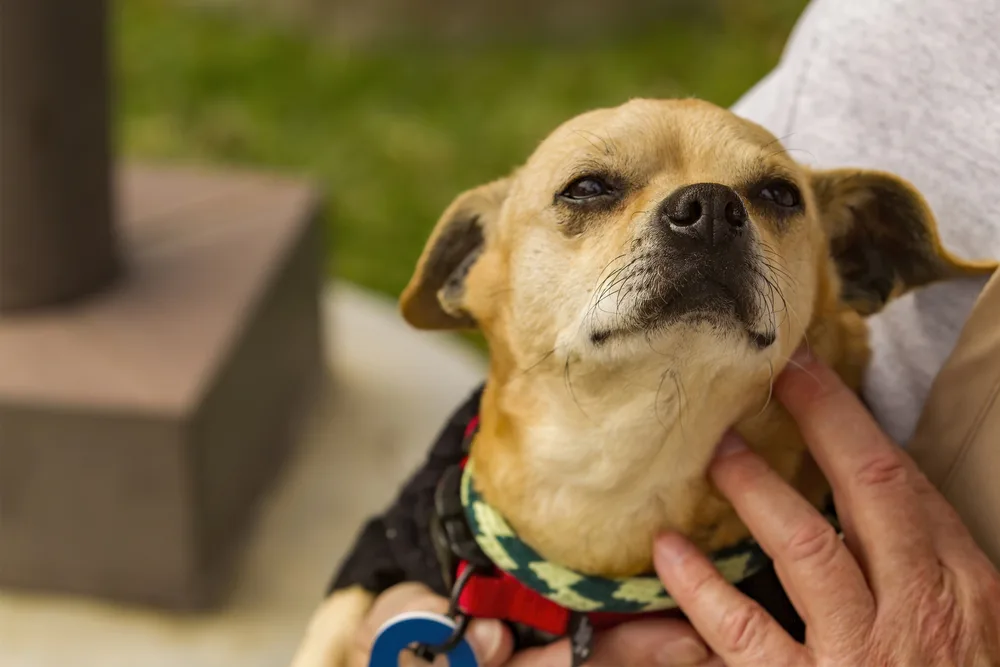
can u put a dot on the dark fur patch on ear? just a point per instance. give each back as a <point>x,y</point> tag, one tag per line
<point>887,249</point>
<point>867,277</point>
<point>461,239</point>
<point>464,244</point>
<point>447,264</point>
<point>435,297</point>
<point>888,245</point>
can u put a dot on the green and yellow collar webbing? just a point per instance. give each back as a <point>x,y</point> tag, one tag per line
<point>581,592</point>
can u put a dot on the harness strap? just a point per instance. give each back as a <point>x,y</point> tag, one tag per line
<point>499,595</point>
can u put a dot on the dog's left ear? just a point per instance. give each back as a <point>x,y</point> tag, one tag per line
<point>435,296</point>
<point>883,237</point>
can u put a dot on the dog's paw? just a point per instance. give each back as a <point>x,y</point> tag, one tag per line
<point>331,638</point>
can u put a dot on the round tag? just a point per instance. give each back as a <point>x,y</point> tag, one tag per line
<point>408,629</point>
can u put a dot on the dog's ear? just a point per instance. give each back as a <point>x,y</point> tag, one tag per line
<point>435,297</point>
<point>883,237</point>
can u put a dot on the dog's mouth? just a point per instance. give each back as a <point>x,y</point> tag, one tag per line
<point>728,298</point>
<point>725,304</point>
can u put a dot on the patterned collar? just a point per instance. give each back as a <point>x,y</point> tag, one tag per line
<point>576,591</point>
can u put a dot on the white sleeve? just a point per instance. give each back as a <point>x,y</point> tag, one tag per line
<point>911,87</point>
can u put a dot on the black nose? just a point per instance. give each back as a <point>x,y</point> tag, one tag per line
<point>711,213</point>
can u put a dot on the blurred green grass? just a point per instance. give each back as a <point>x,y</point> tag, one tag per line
<point>394,134</point>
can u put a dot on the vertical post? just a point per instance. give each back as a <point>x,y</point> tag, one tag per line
<point>57,239</point>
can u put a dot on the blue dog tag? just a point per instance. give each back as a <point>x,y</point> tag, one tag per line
<point>405,630</point>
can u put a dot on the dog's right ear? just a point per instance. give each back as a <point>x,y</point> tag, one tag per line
<point>435,297</point>
<point>883,237</point>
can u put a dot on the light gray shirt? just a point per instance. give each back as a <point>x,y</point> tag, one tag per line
<point>911,87</point>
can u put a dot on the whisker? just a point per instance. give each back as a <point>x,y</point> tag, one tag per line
<point>538,363</point>
<point>607,149</point>
<point>681,400</point>
<point>792,362</point>
<point>656,400</point>
<point>770,389</point>
<point>789,150</point>
<point>572,392</point>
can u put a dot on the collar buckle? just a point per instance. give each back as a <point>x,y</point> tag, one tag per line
<point>454,530</point>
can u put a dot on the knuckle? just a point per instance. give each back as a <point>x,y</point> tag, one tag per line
<point>887,470</point>
<point>937,620</point>
<point>742,630</point>
<point>815,542</point>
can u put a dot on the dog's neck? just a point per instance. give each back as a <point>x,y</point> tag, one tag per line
<point>571,465</point>
<point>588,477</point>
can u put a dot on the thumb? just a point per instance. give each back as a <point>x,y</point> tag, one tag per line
<point>645,643</point>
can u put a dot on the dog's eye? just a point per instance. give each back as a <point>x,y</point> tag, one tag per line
<point>781,194</point>
<point>587,187</point>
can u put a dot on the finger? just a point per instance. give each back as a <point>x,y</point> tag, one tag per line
<point>823,579</point>
<point>643,643</point>
<point>735,627</point>
<point>490,639</point>
<point>399,599</point>
<point>884,522</point>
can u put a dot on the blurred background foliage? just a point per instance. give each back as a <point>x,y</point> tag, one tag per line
<point>393,127</point>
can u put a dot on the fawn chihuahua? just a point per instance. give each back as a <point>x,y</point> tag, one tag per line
<point>640,280</point>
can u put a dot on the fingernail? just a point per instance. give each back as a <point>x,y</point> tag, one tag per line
<point>802,356</point>
<point>685,652</point>
<point>486,635</point>
<point>731,443</point>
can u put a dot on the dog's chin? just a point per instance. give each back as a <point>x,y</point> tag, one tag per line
<point>712,304</point>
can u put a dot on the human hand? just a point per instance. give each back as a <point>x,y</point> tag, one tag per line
<point>907,586</point>
<point>656,643</point>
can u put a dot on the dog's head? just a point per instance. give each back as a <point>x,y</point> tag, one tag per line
<point>658,252</point>
<point>659,224</point>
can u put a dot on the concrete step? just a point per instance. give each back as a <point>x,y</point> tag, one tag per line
<point>393,389</point>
